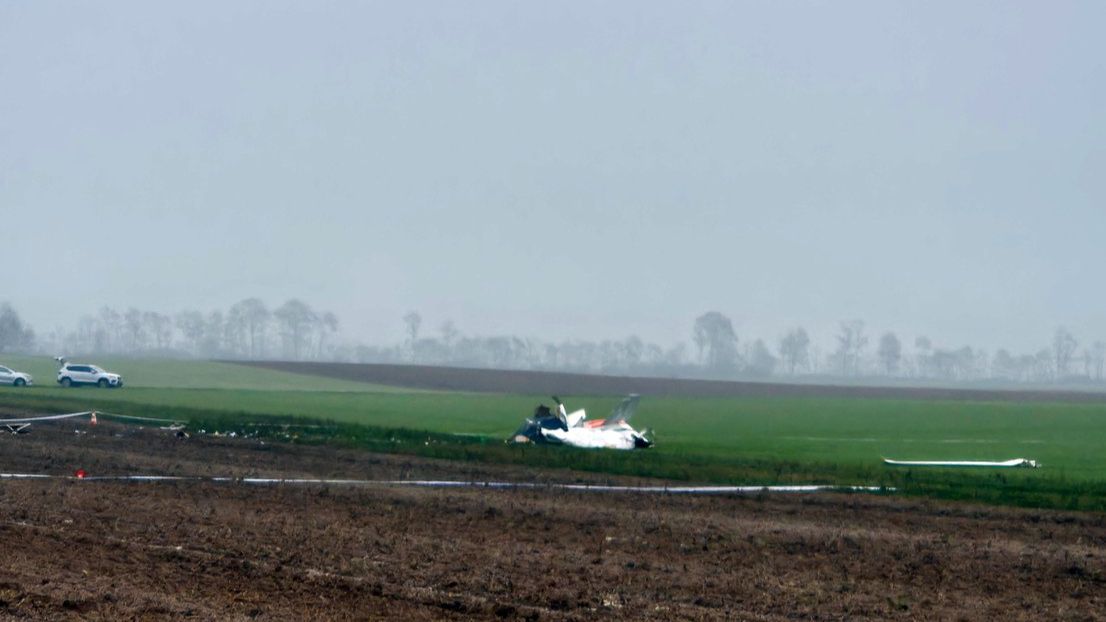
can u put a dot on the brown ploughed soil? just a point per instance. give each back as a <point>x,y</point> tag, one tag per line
<point>523,382</point>
<point>200,550</point>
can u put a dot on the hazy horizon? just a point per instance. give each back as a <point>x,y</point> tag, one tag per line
<point>562,170</point>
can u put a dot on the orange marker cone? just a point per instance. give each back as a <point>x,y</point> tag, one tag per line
<point>93,420</point>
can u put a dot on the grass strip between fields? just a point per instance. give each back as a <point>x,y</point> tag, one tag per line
<point>1018,488</point>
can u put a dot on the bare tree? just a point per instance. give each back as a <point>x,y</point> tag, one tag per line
<point>327,325</point>
<point>109,336</point>
<point>191,326</point>
<point>1004,365</point>
<point>633,348</point>
<point>714,332</point>
<point>449,333</point>
<point>160,327</point>
<point>851,342</point>
<point>235,339</point>
<point>1097,355</point>
<point>966,362</point>
<point>1063,349</point>
<point>890,353</point>
<point>251,318</point>
<point>412,321</point>
<point>1043,365</point>
<point>136,330</point>
<point>795,349</point>
<point>15,335</point>
<point>761,361</point>
<point>214,334</point>
<point>1026,367</point>
<point>84,338</point>
<point>701,339</point>
<point>923,353</point>
<point>295,320</point>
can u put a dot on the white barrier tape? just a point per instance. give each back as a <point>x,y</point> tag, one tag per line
<point>86,413</point>
<point>136,418</point>
<point>45,418</point>
<point>458,484</point>
<point>26,476</point>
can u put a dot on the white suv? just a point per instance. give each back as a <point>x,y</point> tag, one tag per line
<point>74,374</point>
<point>15,378</point>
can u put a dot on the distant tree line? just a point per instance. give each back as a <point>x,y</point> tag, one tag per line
<point>248,329</point>
<point>294,330</point>
<point>720,354</point>
<point>448,346</point>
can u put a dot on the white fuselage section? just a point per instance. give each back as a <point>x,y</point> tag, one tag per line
<point>594,438</point>
<point>580,434</point>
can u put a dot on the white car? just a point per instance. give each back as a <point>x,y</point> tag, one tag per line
<point>72,374</point>
<point>15,378</point>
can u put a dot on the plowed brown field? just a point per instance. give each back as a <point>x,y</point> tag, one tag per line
<point>199,550</point>
<point>524,382</point>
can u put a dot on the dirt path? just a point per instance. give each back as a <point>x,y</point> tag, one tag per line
<point>103,550</point>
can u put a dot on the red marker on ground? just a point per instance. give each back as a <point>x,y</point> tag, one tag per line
<point>81,473</point>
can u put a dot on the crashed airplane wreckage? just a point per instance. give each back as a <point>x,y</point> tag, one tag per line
<point>558,427</point>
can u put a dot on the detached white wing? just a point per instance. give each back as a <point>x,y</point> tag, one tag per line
<point>1003,464</point>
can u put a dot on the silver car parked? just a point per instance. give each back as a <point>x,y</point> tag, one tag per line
<point>15,378</point>
<point>72,374</point>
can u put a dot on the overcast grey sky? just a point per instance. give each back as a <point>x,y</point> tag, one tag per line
<point>560,169</point>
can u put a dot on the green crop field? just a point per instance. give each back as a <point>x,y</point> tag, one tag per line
<point>180,374</point>
<point>738,440</point>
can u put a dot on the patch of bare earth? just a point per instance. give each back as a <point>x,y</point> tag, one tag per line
<point>104,550</point>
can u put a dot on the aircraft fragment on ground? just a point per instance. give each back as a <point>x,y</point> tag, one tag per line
<point>1002,464</point>
<point>556,426</point>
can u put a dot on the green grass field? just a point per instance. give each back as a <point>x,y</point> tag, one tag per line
<point>178,374</point>
<point>754,440</point>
